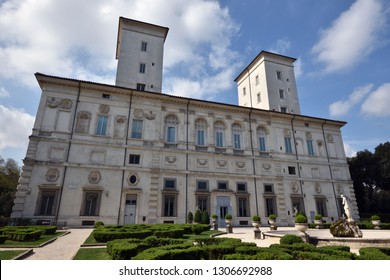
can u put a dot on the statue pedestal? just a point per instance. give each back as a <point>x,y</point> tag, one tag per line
<point>257,233</point>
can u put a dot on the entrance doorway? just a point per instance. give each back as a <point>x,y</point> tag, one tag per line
<point>223,208</point>
<point>130,209</point>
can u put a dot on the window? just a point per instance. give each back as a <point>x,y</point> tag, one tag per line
<point>222,185</point>
<point>202,185</point>
<point>297,204</point>
<point>279,75</point>
<point>241,187</point>
<point>171,127</point>
<point>134,159</point>
<point>268,188</point>
<point>281,94</point>
<point>242,203</point>
<point>142,67</point>
<point>141,87</point>
<point>169,205</point>
<point>283,109</point>
<point>243,91</point>
<point>258,97</point>
<point>202,203</point>
<point>261,136</point>
<point>291,170</point>
<point>310,148</point>
<point>144,46</point>
<point>91,203</point>
<point>136,129</point>
<point>257,81</point>
<point>106,96</point>
<point>287,144</point>
<point>321,206</point>
<point>219,129</point>
<point>170,184</point>
<point>101,127</point>
<point>46,203</point>
<point>237,131</point>
<point>200,127</point>
<point>270,206</point>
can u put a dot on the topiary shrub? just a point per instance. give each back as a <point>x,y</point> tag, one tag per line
<point>318,217</point>
<point>98,224</point>
<point>375,218</point>
<point>228,216</point>
<point>198,216</point>
<point>205,218</point>
<point>256,218</point>
<point>190,217</point>
<point>300,219</point>
<point>272,217</point>
<point>3,238</point>
<point>290,239</point>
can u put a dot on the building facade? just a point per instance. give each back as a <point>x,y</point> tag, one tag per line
<point>124,154</point>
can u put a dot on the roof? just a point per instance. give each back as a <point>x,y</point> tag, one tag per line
<point>43,78</point>
<point>265,54</point>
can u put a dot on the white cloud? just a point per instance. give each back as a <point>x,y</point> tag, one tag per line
<point>342,107</point>
<point>349,150</point>
<point>3,92</point>
<point>352,36</point>
<point>15,129</point>
<point>378,102</point>
<point>77,39</point>
<point>282,46</point>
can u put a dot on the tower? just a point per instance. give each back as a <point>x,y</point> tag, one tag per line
<point>268,83</point>
<point>140,48</point>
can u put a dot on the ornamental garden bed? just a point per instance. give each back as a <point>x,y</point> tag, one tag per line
<point>27,236</point>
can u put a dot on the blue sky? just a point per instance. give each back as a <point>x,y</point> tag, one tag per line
<point>342,50</point>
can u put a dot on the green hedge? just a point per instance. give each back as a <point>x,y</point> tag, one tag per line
<point>24,235</point>
<point>374,253</point>
<point>3,238</point>
<point>46,230</point>
<point>290,239</point>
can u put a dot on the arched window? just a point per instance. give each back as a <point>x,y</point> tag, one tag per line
<point>171,123</point>
<point>237,135</point>
<point>200,130</point>
<point>219,130</point>
<point>261,138</point>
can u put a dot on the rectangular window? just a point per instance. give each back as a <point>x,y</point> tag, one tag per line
<point>91,203</point>
<point>270,206</point>
<point>136,129</point>
<point>283,109</point>
<point>46,203</point>
<point>257,81</point>
<point>241,187</point>
<point>262,144</point>
<point>321,207</point>
<point>237,141</point>
<point>310,148</point>
<point>141,87</point>
<point>279,75</point>
<point>281,94</point>
<point>106,96</point>
<point>291,170</point>
<point>297,204</point>
<point>268,188</point>
<point>200,137</point>
<point>169,205</point>
<point>202,203</point>
<point>242,207</point>
<point>134,159</point>
<point>258,98</point>
<point>202,185</point>
<point>101,127</point>
<point>144,46</point>
<point>142,67</point>
<point>287,144</point>
<point>222,185</point>
<point>171,134</point>
<point>244,91</point>
<point>170,184</point>
<point>219,139</point>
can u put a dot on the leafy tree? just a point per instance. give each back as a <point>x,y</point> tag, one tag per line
<point>198,216</point>
<point>205,218</point>
<point>9,177</point>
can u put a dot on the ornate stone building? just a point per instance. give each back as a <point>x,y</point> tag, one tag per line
<point>129,154</point>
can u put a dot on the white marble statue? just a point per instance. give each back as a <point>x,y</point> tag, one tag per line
<point>347,208</point>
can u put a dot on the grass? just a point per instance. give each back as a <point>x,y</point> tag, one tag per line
<point>10,254</point>
<point>36,243</point>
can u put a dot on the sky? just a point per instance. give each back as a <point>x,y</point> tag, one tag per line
<point>342,50</point>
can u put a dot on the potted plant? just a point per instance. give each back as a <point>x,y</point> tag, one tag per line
<point>272,219</point>
<point>376,221</point>
<point>318,220</point>
<point>256,220</point>
<point>214,217</point>
<point>228,219</point>
<point>301,223</point>
<point>190,217</point>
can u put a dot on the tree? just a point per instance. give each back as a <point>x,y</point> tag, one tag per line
<point>205,218</point>
<point>198,216</point>
<point>9,177</point>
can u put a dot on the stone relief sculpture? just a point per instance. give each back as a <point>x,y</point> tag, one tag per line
<point>53,102</point>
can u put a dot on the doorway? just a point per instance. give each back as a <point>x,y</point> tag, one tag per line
<point>130,209</point>
<point>223,207</point>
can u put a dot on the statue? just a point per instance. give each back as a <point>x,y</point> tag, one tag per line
<point>347,208</point>
<point>295,211</point>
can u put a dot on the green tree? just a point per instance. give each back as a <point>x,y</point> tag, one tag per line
<point>9,177</point>
<point>198,216</point>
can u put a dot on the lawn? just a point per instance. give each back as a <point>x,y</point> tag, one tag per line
<point>10,254</point>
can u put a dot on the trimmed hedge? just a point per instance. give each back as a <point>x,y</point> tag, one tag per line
<point>374,253</point>
<point>290,239</point>
<point>24,235</point>
<point>3,238</point>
